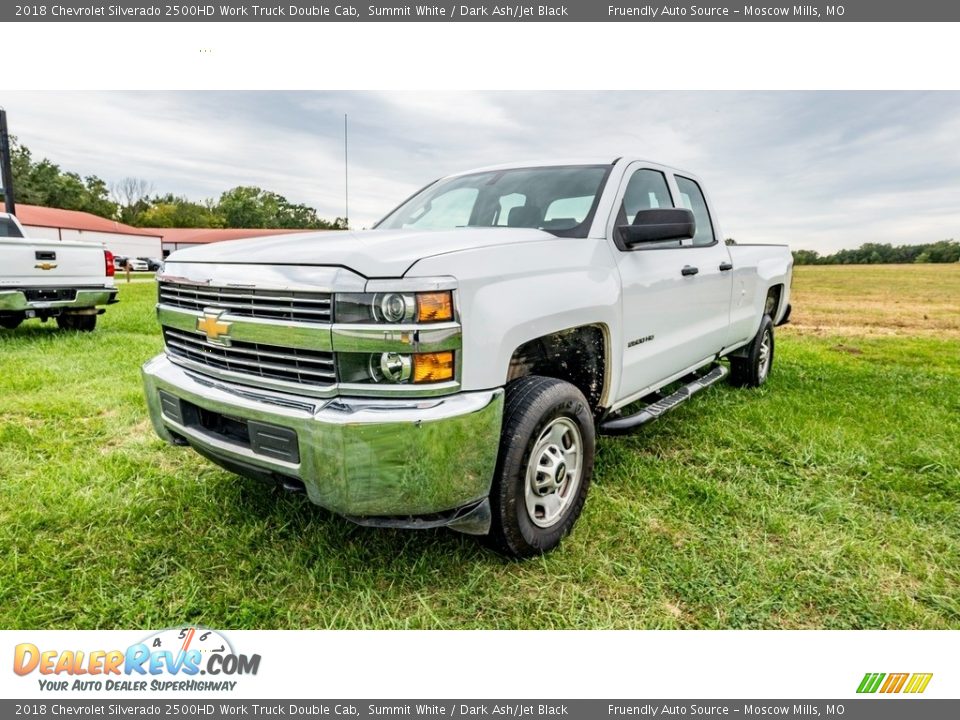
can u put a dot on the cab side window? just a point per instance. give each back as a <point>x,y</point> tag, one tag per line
<point>691,197</point>
<point>647,190</point>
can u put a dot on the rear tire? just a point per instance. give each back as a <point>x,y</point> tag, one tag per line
<point>11,322</point>
<point>81,323</point>
<point>753,369</point>
<point>543,468</point>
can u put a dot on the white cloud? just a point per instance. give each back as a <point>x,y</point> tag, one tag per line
<point>816,170</point>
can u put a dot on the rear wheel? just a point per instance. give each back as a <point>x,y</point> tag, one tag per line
<point>82,323</point>
<point>543,468</point>
<point>753,368</point>
<point>11,322</point>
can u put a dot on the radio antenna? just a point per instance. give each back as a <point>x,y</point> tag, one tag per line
<point>346,177</point>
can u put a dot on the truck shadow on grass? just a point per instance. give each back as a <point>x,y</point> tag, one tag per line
<point>294,515</point>
<point>32,331</point>
<point>315,535</point>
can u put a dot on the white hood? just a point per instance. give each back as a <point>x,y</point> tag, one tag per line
<point>371,253</point>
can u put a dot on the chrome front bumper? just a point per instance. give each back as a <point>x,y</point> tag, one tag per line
<point>16,300</point>
<point>407,462</point>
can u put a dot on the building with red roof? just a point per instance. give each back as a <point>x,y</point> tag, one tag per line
<point>56,224</point>
<point>125,240</point>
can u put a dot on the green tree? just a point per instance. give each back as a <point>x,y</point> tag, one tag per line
<point>97,199</point>
<point>43,182</point>
<point>805,257</point>
<point>177,212</point>
<point>253,207</point>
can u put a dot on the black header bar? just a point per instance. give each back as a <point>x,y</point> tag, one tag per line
<point>478,11</point>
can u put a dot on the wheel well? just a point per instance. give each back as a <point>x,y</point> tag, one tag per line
<point>577,355</point>
<point>772,303</point>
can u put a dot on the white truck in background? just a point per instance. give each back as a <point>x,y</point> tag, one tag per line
<point>67,281</point>
<point>44,279</point>
<point>454,365</point>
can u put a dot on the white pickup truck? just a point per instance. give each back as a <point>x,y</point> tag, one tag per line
<point>47,279</point>
<point>454,365</point>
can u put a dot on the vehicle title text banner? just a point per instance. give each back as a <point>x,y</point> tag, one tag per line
<point>479,11</point>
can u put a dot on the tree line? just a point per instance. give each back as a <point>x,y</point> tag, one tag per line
<point>134,202</point>
<point>943,251</point>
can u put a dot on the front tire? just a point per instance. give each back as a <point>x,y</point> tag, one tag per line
<point>544,466</point>
<point>81,323</point>
<point>753,369</point>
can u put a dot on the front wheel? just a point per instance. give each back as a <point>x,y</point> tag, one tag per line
<point>753,368</point>
<point>543,467</point>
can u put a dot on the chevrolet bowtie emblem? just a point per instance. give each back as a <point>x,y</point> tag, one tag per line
<point>45,266</point>
<point>216,330</point>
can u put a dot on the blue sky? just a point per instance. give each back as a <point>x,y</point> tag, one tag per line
<point>817,170</point>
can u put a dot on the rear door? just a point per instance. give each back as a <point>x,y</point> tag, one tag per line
<point>706,315</point>
<point>671,320</point>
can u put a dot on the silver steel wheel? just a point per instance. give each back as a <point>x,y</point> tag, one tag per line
<point>553,472</point>
<point>766,352</point>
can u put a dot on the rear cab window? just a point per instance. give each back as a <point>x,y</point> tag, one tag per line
<point>9,229</point>
<point>691,198</point>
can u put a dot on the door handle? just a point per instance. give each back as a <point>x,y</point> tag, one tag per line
<point>726,266</point>
<point>689,270</point>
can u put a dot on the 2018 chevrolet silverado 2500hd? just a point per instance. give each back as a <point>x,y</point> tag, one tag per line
<point>47,279</point>
<point>453,365</point>
<point>43,279</point>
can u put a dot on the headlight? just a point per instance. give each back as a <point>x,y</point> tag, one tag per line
<point>392,368</point>
<point>394,307</point>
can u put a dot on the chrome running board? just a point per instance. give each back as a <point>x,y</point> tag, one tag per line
<point>625,425</point>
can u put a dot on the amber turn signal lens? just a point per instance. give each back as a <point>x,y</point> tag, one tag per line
<point>435,306</point>
<point>433,367</point>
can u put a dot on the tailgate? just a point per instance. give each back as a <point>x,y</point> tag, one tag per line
<point>35,263</point>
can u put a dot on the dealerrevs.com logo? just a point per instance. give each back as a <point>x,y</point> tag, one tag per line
<point>173,659</point>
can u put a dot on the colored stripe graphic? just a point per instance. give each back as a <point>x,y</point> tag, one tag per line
<point>894,682</point>
<point>918,682</point>
<point>870,682</point>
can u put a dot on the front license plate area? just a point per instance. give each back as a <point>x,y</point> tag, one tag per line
<point>273,441</point>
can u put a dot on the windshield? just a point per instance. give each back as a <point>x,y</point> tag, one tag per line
<point>560,200</point>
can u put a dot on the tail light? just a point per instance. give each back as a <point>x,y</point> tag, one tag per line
<point>108,259</point>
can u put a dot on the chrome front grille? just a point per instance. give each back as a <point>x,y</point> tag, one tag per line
<point>306,367</point>
<point>287,305</point>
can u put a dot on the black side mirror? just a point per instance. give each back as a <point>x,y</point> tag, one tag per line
<point>659,225</point>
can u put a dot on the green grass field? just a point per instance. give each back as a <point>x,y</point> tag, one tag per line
<point>828,499</point>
